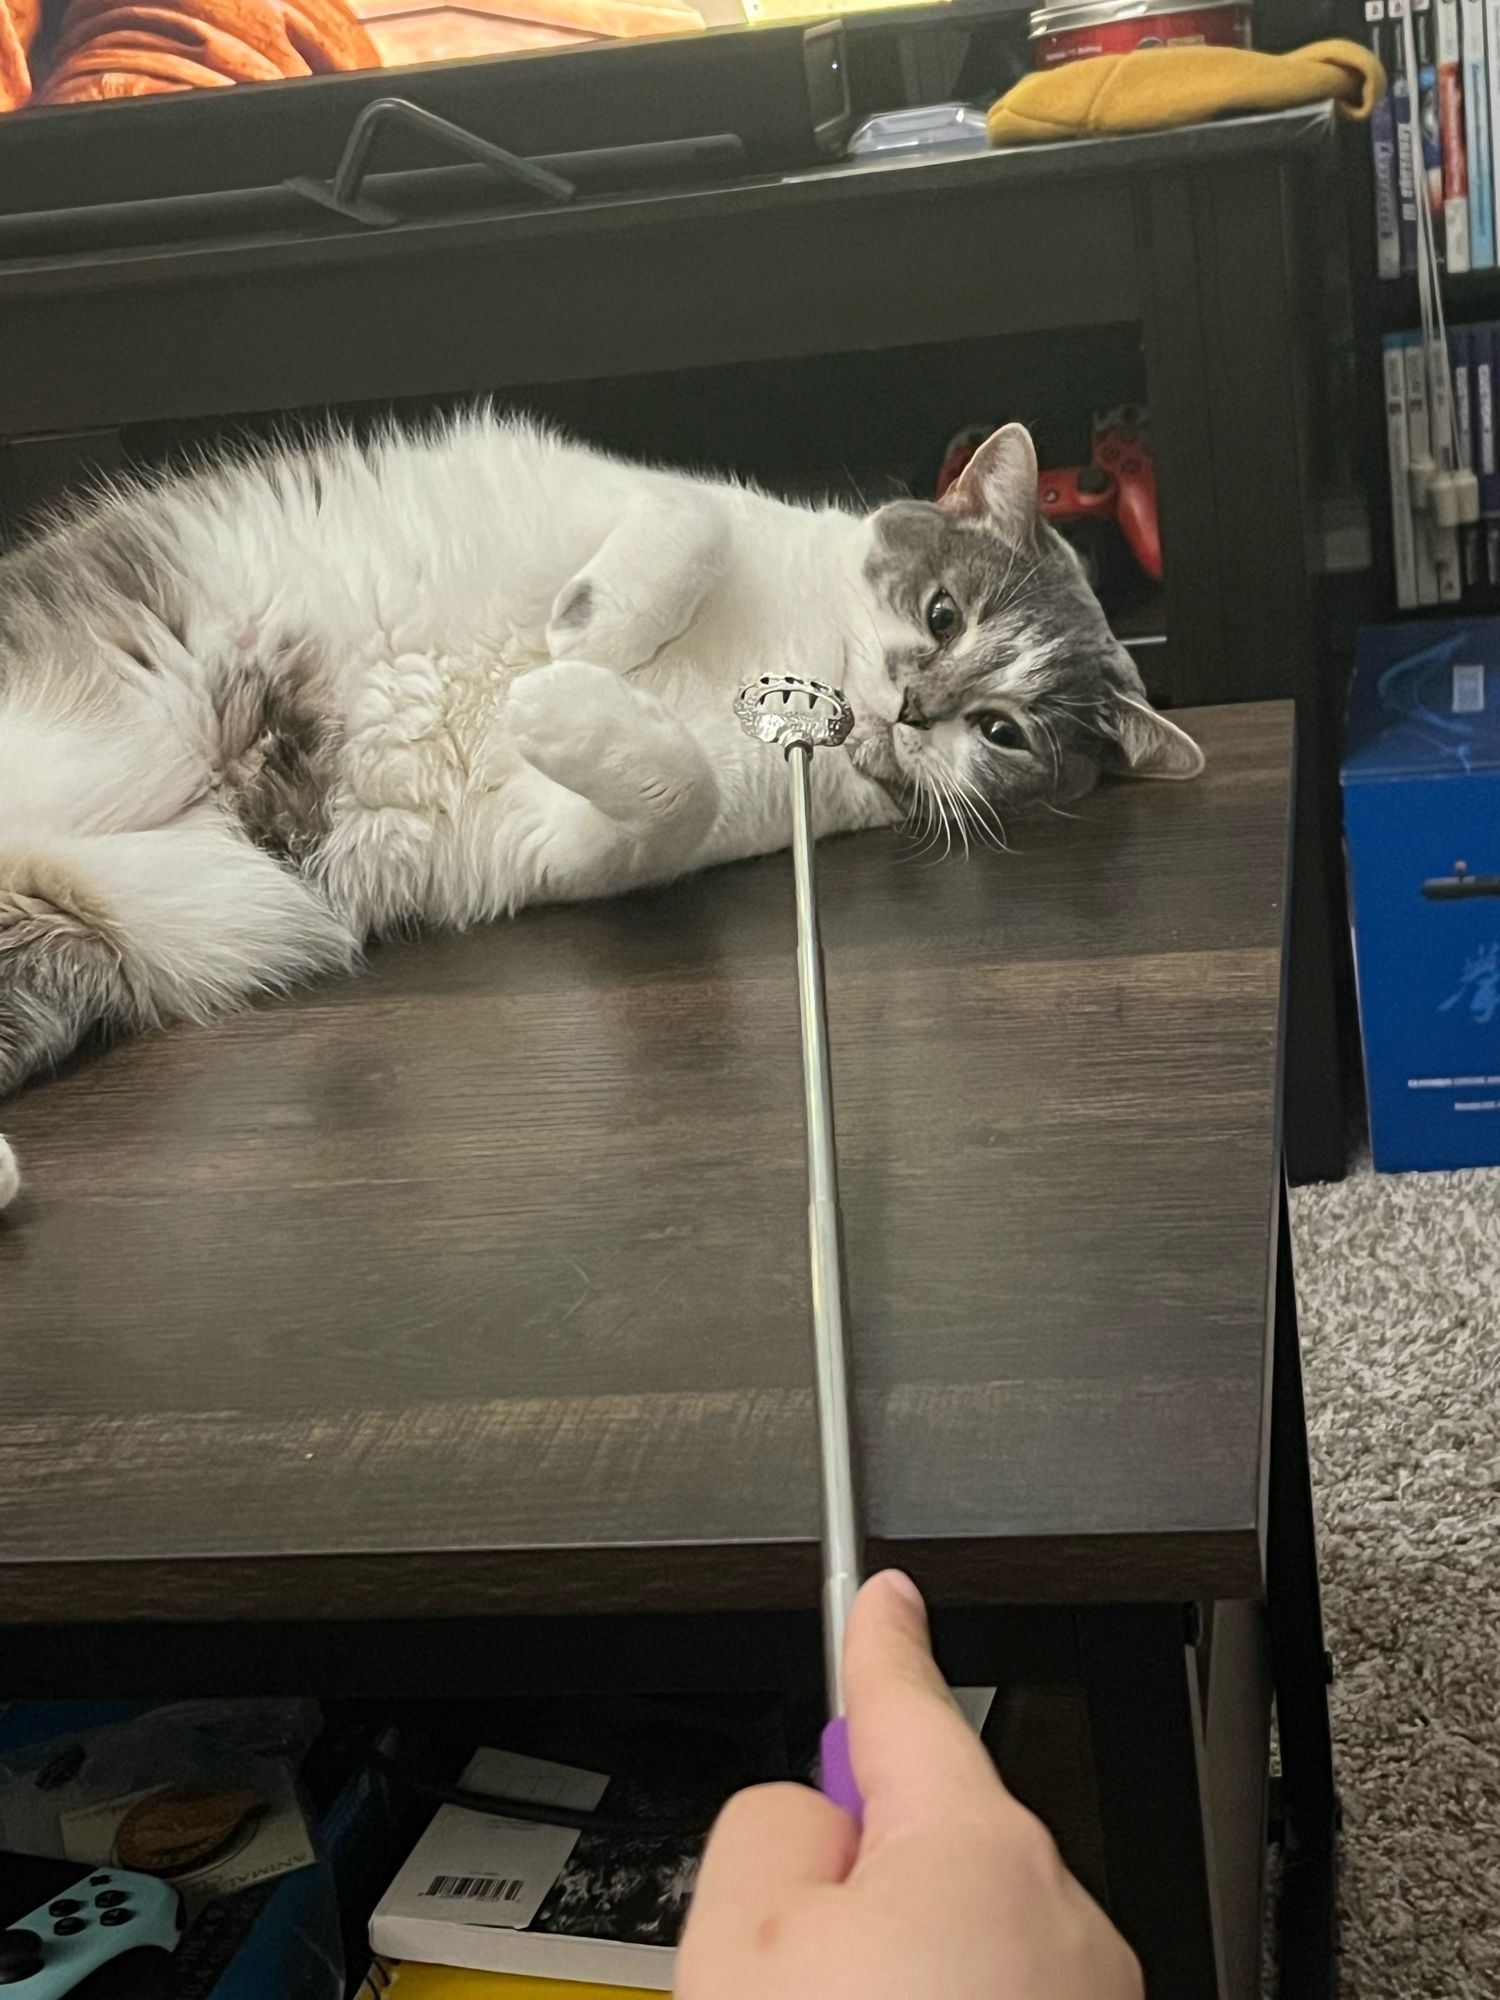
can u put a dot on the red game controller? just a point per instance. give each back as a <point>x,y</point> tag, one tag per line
<point>1118,484</point>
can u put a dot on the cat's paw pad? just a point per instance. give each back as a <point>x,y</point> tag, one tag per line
<point>574,608</point>
<point>589,618</point>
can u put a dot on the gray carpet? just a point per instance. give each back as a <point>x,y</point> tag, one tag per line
<point>1399,1282</point>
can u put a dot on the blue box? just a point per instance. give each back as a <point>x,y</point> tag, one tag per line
<point>1421,778</point>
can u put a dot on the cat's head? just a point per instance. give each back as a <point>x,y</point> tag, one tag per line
<point>979,661</point>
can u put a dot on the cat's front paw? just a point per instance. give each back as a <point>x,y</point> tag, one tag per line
<point>614,744</point>
<point>572,720</point>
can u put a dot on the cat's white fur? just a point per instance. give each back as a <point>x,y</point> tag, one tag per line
<point>485,764</point>
<point>526,655</point>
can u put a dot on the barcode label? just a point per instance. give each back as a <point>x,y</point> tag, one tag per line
<point>476,1888</point>
<point>1468,690</point>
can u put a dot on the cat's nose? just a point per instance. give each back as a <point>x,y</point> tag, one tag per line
<point>911,712</point>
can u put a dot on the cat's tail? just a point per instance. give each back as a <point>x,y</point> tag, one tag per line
<point>127,930</point>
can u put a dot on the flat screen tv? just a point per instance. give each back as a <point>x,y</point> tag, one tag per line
<point>56,53</point>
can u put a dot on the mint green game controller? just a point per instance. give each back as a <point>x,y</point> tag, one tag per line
<point>105,1938</point>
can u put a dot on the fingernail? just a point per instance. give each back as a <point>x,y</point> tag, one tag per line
<point>898,1581</point>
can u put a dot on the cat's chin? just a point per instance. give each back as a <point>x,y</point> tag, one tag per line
<point>873,754</point>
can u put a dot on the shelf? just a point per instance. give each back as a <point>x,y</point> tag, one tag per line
<point>1467,295</point>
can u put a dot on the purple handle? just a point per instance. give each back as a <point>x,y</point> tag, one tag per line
<point>836,1773</point>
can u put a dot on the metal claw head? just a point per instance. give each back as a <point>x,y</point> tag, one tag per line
<point>794,713</point>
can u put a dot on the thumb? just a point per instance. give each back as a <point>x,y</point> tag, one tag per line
<point>915,1756</point>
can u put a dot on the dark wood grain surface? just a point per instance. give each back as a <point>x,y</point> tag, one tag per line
<point>480,1282</point>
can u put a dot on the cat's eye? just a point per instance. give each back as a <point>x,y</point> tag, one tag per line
<point>1001,731</point>
<point>944,618</point>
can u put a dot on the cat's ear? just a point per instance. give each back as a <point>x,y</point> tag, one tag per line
<point>1151,746</point>
<point>998,486</point>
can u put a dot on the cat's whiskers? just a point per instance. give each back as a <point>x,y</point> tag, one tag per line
<point>945,803</point>
<point>933,834</point>
<point>987,824</point>
<point>1005,575</point>
<point>1056,748</point>
<point>916,822</point>
<point>986,821</point>
<point>1014,590</point>
<point>957,812</point>
<point>935,820</point>
<point>916,853</point>
<point>1086,713</point>
<point>856,489</point>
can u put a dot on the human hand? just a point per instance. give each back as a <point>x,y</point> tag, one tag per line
<point>952,1891</point>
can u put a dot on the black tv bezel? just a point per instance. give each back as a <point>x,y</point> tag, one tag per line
<point>760,82</point>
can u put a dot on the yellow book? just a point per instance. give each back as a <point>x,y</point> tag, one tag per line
<point>405,1979</point>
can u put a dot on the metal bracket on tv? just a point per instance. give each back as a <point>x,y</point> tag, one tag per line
<point>343,193</point>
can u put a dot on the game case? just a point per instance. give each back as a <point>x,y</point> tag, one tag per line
<point>1406,176</point>
<point>1418,448</point>
<point>1461,362</point>
<point>1430,127</point>
<point>1402,535</point>
<point>1455,183</point>
<point>1483,339</point>
<point>1477,137</point>
<point>1383,154</point>
<point>1444,540</point>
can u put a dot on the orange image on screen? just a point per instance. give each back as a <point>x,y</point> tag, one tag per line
<point>417,31</point>
<point>92,51</point>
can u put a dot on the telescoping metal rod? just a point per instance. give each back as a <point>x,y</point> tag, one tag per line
<point>840,1506</point>
<point>798,716</point>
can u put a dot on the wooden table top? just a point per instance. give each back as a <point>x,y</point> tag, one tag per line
<point>480,1283</point>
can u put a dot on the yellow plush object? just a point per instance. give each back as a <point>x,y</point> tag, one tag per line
<point>1151,88</point>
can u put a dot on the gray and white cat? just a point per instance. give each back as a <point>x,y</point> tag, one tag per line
<point>252,716</point>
